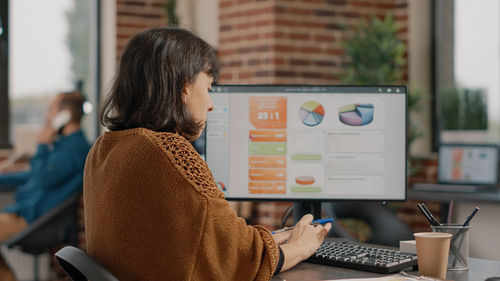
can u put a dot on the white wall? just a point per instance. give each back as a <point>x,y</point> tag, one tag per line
<point>201,17</point>
<point>108,45</point>
<point>484,241</point>
<point>419,62</point>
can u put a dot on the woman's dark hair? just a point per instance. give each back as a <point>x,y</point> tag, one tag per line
<point>155,67</point>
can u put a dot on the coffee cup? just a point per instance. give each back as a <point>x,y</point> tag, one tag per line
<point>432,253</point>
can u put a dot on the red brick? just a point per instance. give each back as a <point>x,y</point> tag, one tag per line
<point>362,3</point>
<point>285,22</point>
<point>284,48</point>
<point>324,38</point>
<point>285,73</point>
<point>312,24</point>
<point>136,25</point>
<point>254,62</point>
<point>229,39</point>
<point>324,13</point>
<point>299,11</point>
<point>299,62</point>
<point>401,18</point>
<point>299,36</point>
<point>137,14</point>
<point>350,14</point>
<point>385,5</point>
<point>243,25</point>
<point>310,50</point>
<point>225,4</point>
<point>225,76</point>
<point>225,28</point>
<point>263,22</point>
<point>263,73</point>
<point>245,75</point>
<point>254,36</point>
<point>275,35</point>
<point>325,63</point>
<point>278,61</point>
<point>336,2</point>
<point>335,51</point>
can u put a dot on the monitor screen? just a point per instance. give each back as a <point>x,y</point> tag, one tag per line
<point>468,164</point>
<point>308,142</point>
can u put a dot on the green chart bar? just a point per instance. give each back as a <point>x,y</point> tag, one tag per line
<point>267,148</point>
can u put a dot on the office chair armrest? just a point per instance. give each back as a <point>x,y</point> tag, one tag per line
<point>43,221</point>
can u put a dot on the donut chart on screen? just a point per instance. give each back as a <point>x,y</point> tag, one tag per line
<point>356,114</point>
<point>311,113</point>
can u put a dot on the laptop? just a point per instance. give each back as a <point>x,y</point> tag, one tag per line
<point>465,168</point>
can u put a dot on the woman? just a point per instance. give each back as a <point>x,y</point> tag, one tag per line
<point>152,208</point>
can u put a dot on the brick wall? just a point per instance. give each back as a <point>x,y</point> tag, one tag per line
<point>292,42</point>
<point>133,16</point>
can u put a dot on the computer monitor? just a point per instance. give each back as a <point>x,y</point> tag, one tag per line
<point>307,143</point>
<point>468,164</point>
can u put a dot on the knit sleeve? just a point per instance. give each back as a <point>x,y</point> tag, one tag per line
<point>228,248</point>
<point>232,250</point>
<point>188,163</point>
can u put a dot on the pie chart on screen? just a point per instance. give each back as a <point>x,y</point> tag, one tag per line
<point>311,113</point>
<point>356,114</point>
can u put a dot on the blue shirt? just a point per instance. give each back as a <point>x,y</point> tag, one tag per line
<point>56,174</point>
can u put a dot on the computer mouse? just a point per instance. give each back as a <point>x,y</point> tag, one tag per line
<point>494,278</point>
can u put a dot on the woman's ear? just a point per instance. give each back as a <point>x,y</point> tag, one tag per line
<point>186,92</point>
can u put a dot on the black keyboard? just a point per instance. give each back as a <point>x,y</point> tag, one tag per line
<point>362,257</point>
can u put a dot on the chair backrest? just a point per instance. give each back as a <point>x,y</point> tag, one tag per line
<point>56,227</point>
<point>81,267</point>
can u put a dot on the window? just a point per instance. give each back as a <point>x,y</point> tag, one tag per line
<point>52,49</point>
<point>467,44</point>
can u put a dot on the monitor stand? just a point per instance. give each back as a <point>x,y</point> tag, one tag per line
<point>302,208</point>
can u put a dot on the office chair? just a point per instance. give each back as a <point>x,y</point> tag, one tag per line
<point>387,229</point>
<point>81,267</point>
<point>56,227</point>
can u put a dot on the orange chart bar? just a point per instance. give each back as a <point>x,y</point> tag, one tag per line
<point>268,112</point>
<point>267,187</point>
<point>267,162</point>
<point>267,136</point>
<point>267,174</point>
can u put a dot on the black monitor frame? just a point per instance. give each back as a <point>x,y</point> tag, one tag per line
<point>314,205</point>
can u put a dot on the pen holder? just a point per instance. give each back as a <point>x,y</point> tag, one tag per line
<point>458,258</point>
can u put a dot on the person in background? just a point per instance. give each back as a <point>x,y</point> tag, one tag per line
<point>152,208</point>
<point>56,169</point>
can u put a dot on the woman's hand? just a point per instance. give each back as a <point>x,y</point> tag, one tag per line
<point>281,237</point>
<point>304,240</point>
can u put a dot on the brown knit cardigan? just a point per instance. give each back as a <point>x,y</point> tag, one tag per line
<point>153,212</point>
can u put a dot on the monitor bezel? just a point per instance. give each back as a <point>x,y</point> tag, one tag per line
<point>405,93</point>
<point>474,145</point>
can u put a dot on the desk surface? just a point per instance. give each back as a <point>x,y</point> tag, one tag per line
<point>479,270</point>
<point>439,196</point>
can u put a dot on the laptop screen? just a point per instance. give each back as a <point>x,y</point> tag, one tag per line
<point>468,164</point>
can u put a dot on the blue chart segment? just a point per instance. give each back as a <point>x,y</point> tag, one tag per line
<point>356,114</point>
<point>311,113</point>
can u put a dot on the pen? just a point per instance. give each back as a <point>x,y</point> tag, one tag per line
<point>469,218</point>
<point>435,222</point>
<point>450,210</point>
<point>426,215</point>
<point>314,222</point>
